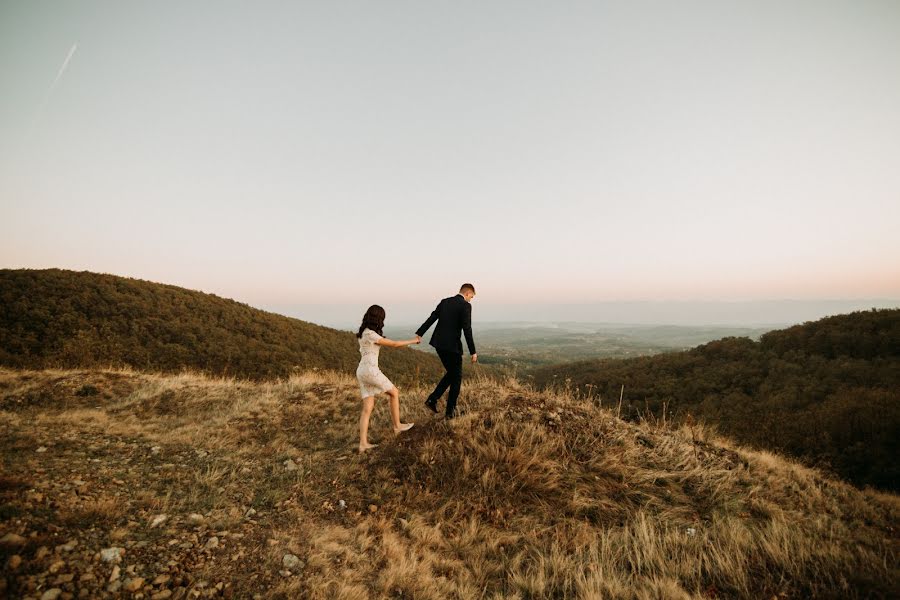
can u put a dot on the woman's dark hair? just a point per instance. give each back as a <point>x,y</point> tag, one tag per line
<point>373,319</point>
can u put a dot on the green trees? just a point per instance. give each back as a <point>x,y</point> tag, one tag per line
<point>71,319</point>
<point>827,392</point>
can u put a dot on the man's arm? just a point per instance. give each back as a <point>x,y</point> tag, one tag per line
<point>467,328</point>
<point>429,321</point>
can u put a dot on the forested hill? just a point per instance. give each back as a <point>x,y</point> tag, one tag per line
<point>865,334</point>
<point>63,318</point>
<point>826,391</point>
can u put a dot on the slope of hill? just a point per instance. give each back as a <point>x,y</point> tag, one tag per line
<point>55,318</point>
<point>828,391</point>
<point>117,483</point>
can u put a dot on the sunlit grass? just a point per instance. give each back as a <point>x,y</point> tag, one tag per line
<point>526,495</point>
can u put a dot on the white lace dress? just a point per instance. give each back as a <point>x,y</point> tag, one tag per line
<point>371,380</point>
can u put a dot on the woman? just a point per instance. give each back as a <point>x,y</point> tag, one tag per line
<point>371,380</point>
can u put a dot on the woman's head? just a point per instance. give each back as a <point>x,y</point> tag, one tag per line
<point>373,319</point>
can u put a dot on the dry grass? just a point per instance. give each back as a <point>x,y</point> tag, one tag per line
<point>526,495</point>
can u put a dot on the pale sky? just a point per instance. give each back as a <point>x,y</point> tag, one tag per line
<point>339,154</point>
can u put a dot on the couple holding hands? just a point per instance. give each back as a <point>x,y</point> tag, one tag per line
<point>453,316</point>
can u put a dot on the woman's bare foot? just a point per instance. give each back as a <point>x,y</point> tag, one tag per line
<point>404,427</point>
<point>364,447</point>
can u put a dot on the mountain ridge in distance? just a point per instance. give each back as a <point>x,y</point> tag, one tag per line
<point>59,318</point>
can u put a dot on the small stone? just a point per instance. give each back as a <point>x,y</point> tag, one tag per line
<point>114,587</point>
<point>51,594</point>
<point>116,572</point>
<point>162,595</point>
<point>12,539</point>
<point>158,520</point>
<point>196,518</point>
<point>41,449</point>
<point>161,579</point>
<point>112,554</point>
<point>68,546</point>
<point>57,566</point>
<point>133,584</point>
<point>272,542</point>
<point>250,512</point>
<point>155,449</point>
<point>87,577</point>
<point>373,508</point>
<point>42,552</point>
<point>290,465</point>
<point>291,562</point>
<point>14,562</point>
<point>285,573</point>
<point>212,543</point>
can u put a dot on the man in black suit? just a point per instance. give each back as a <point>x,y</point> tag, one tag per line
<point>453,316</point>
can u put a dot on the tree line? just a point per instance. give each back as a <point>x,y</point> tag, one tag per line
<point>58,318</point>
<point>827,392</point>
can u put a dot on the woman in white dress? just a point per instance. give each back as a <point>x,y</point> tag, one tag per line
<point>371,380</point>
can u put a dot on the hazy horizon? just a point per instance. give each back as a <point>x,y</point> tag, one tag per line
<point>338,155</point>
<point>773,314</point>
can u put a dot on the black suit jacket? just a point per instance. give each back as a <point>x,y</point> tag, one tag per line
<point>453,315</point>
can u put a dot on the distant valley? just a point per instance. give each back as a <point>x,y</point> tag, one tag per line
<point>528,344</point>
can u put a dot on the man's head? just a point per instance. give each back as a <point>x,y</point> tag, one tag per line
<point>468,291</point>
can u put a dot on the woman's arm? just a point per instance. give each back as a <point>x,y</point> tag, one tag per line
<point>396,343</point>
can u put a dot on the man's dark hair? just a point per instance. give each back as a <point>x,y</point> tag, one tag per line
<point>467,286</point>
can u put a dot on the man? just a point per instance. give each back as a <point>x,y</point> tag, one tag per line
<point>453,315</point>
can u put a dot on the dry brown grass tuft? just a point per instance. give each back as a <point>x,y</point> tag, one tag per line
<point>526,495</point>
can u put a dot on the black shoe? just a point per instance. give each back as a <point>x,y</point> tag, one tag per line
<point>432,406</point>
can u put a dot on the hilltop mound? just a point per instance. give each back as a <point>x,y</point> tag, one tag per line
<point>234,488</point>
<point>56,318</point>
<point>825,392</point>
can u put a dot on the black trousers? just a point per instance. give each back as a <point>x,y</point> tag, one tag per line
<point>452,379</point>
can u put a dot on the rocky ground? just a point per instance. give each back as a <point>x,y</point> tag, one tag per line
<point>122,484</point>
<point>100,500</point>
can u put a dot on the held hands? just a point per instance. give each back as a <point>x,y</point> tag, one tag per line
<point>474,358</point>
<point>415,340</point>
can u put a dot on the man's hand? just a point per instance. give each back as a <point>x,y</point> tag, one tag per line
<point>474,358</point>
<point>418,339</point>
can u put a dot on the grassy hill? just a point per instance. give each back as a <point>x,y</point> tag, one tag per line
<point>56,318</point>
<point>207,487</point>
<point>827,392</point>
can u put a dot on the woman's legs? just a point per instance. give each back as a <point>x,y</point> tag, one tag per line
<point>368,404</point>
<point>394,394</point>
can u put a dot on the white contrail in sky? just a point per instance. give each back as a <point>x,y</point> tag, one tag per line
<point>65,64</point>
<point>46,101</point>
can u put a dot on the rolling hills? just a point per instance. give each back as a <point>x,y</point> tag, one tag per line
<point>57,318</point>
<point>117,483</point>
<point>827,391</point>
